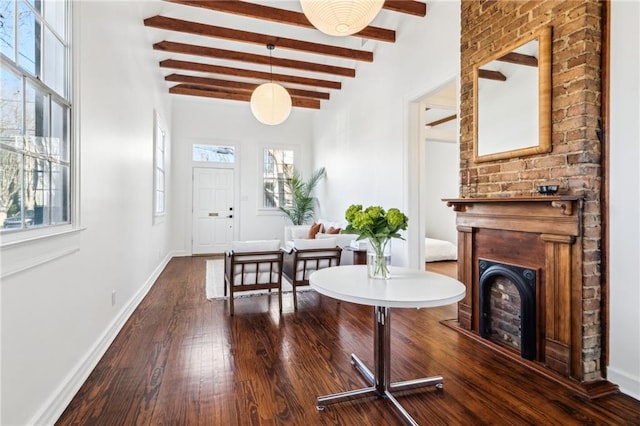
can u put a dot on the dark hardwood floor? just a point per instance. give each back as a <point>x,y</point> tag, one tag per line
<point>181,360</point>
<point>447,267</point>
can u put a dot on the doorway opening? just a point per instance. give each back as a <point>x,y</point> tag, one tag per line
<point>434,171</point>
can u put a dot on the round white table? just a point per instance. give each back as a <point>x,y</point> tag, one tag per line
<point>407,288</point>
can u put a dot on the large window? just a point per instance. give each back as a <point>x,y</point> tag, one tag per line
<point>35,114</point>
<point>277,168</point>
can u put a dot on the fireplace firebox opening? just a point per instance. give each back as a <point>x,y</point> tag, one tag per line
<point>502,288</point>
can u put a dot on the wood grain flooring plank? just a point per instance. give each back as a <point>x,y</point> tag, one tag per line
<point>182,360</point>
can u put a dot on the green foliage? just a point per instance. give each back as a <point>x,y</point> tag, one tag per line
<point>374,223</point>
<point>378,226</point>
<point>303,205</point>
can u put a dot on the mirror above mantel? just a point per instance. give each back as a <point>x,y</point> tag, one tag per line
<point>512,100</point>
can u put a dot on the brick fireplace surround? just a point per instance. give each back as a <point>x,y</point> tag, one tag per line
<point>572,338</point>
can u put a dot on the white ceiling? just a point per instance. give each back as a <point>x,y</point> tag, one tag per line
<point>437,106</point>
<point>386,18</point>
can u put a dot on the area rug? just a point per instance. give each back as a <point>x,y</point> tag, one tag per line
<point>215,283</point>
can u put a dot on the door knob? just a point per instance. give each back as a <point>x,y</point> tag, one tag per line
<point>230,216</point>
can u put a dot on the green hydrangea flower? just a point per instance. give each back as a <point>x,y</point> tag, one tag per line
<point>351,212</point>
<point>397,219</point>
<point>375,223</point>
<point>361,220</point>
<point>374,212</point>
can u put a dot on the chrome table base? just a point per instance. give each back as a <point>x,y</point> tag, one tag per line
<point>381,385</point>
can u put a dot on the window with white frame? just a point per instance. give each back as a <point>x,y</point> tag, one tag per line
<point>276,174</point>
<point>159,170</point>
<point>213,154</point>
<point>35,114</point>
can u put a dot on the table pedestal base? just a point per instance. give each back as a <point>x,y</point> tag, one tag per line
<point>381,386</point>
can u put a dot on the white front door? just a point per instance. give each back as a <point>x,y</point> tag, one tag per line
<point>212,210</point>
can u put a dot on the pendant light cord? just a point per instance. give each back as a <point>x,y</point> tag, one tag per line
<point>270,47</point>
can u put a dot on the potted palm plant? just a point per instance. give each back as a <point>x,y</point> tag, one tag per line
<point>303,205</point>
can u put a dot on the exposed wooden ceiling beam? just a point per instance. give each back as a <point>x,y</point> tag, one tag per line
<point>282,16</point>
<point>211,52</point>
<point>223,88</point>
<point>520,59</point>
<point>203,91</point>
<point>239,85</point>
<point>491,75</point>
<point>415,8</point>
<point>179,25</point>
<point>215,69</point>
<point>442,121</point>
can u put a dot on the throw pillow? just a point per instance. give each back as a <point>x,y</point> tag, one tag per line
<point>315,228</point>
<point>333,230</point>
<point>328,224</point>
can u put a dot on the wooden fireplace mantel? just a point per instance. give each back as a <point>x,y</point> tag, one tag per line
<point>520,206</point>
<point>543,233</point>
<point>559,215</point>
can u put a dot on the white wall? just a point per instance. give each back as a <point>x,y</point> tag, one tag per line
<point>207,121</point>
<point>624,201</point>
<point>57,317</point>
<point>364,139</point>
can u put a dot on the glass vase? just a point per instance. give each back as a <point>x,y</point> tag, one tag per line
<point>379,258</point>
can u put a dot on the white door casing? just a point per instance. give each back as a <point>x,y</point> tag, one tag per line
<point>213,210</point>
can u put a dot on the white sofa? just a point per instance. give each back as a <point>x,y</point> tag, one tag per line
<point>294,232</point>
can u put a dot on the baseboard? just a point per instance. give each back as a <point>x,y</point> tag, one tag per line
<point>628,384</point>
<point>588,390</point>
<point>62,396</point>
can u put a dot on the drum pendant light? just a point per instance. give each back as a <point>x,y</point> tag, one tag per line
<point>341,17</point>
<point>270,102</point>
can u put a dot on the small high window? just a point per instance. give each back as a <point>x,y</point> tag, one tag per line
<point>214,154</point>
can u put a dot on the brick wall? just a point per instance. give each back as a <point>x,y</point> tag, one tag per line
<point>575,160</point>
